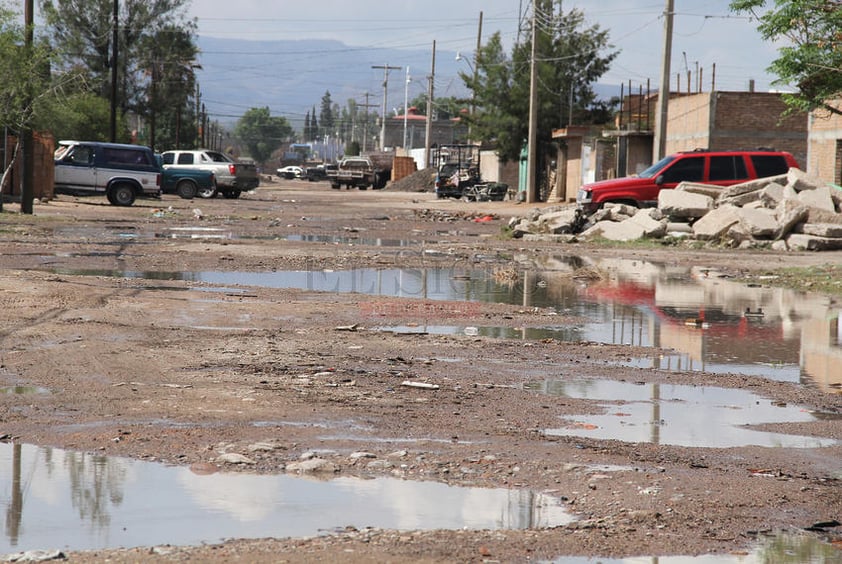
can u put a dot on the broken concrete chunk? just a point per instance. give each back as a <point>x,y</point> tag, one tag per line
<point>802,242</point>
<point>698,188</point>
<point>800,181</point>
<point>751,186</point>
<point>651,227</point>
<point>684,204</point>
<point>716,223</point>
<point>818,198</point>
<point>772,194</point>
<point>759,223</point>
<point>828,230</point>
<point>790,213</point>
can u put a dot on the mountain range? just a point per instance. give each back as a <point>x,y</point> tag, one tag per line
<point>291,76</point>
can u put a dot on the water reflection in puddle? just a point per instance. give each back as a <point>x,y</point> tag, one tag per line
<point>777,549</point>
<point>711,323</point>
<point>67,500</point>
<point>669,414</point>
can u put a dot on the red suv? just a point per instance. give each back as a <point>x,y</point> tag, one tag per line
<point>720,168</point>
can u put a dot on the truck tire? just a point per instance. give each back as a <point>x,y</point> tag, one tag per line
<point>207,193</point>
<point>121,194</point>
<point>231,194</point>
<point>187,189</point>
<point>335,185</point>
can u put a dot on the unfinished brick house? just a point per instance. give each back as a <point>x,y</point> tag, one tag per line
<point>824,157</point>
<point>713,120</point>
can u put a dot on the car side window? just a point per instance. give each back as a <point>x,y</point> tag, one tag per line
<point>80,155</point>
<point>167,158</point>
<point>731,167</point>
<point>185,158</point>
<point>688,169</point>
<point>769,165</point>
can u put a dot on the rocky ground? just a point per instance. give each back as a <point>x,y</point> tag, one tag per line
<point>164,373</point>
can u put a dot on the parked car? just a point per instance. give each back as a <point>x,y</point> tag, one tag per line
<point>319,172</point>
<point>186,182</point>
<point>232,177</point>
<point>120,172</point>
<point>290,172</point>
<point>720,168</point>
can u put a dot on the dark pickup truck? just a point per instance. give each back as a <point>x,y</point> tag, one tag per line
<point>187,182</point>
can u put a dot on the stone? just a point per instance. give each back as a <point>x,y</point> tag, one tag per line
<point>312,466</point>
<point>558,222</point>
<point>234,458</point>
<point>772,194</point>
<point>716,223</point>
<point>615,209</point>
<point>799,180</point>
<point>751,186</point>
<point>697,188</point>
<point>790,213</point>
<point>613,231</point>
<point>827,230</point>
<point>684,204</point>
<point>653,228</point>
<point>802,242</point>
<point>818,198</point>
<point>759,223</point>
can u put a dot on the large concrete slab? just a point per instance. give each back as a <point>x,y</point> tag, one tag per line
<point>683,204</point>
<point>716,223</point>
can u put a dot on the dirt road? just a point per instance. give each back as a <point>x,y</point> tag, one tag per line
<point>155,339</point>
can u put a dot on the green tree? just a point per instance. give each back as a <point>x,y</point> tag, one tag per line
<point>80,32</point>
<point>569,58</point>
<point>169,63</point>
<point>811,58</point>
<point>261,133</point>
<point>326,115</point>
<point>25,74</point>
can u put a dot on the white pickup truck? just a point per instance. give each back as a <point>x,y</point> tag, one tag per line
<point>232,177</point>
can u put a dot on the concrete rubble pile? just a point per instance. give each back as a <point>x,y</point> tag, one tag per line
<point>793,211</point>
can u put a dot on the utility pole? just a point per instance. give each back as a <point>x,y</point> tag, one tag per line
<point>405,107</point>
<point>662,107</point>
<point>365,122</point>
<point>386,68</point>
<point>531,149</point>
<point>198,117</point>
<point>428,132</point>
<point>476,75</point>
<point>115,36</point>
<point>27,192</point>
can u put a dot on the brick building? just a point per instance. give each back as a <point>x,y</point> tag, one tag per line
<point>824,158</point>
<point>705,120</point>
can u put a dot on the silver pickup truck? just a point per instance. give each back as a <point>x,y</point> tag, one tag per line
<point>232,177</point>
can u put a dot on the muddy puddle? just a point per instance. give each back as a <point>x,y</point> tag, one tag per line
<point>56,499</point>
<point>702,320</point>
<point>775,549</point>
<point>680,415</point>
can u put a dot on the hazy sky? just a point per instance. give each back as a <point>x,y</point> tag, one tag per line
<point>706,33</point>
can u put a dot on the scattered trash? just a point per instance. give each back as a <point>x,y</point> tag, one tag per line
<point>421,385</point>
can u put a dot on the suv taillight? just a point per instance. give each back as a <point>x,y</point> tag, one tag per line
<point>158,179</point>
<point>232,169</point>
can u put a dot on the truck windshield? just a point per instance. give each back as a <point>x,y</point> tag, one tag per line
<point>656,168</point>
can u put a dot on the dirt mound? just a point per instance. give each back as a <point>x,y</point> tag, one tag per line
<point>419,181</point>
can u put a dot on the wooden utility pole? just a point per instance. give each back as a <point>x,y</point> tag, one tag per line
<point>364,147</point>
<point>662,107</point>
<point>27,192</point>
<point>115,35</point>
<point>386,68</point>
<point>428,131</point>
<point>531,149</point>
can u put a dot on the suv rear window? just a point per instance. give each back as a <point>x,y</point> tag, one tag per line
<point>731,167</point>
<point>112,156</point>
<point>769,165</point>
